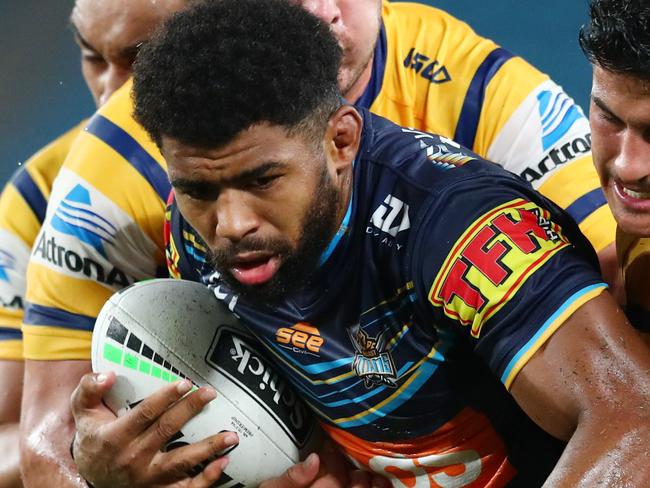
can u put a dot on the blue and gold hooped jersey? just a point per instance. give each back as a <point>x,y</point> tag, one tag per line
<point>22,210</point>
<point>450,274</point>
<point>433,73</point>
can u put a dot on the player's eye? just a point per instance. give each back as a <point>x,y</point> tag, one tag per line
<point>263,182</point>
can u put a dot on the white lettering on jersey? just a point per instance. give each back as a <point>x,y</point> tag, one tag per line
<point>386,214</point>
<point>470,460</point>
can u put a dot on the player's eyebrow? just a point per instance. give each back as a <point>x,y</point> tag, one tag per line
<point>186,185</point>
<point>80,39</point>
<point>603,106</point>
<point>129,52</point>
<point>258,171</point>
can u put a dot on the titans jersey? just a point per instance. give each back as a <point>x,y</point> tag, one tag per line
<point>634,261</point>
<point>102,232</point>
<point>433,73</point>
<point>449,275</point>
<point>22,210</point>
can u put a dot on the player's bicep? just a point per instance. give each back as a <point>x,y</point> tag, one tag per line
<point>507,280</point>
<point>594,363</point>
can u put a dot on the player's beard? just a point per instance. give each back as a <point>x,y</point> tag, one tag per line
<point>299,263</point>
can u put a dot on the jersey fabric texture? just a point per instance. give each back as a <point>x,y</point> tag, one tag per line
<point>634,261</point>
<point>104,227</point>
<point>102,232</point>
<point>22,209</point>
<point>433,73</point>
<point>447,275</point>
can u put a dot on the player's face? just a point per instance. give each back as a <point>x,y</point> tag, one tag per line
<point>355,23</point>
<point>266,204</point>
<point>109,33</point>
<point>620,124</point>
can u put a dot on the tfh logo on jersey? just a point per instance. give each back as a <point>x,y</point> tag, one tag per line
<point>372,361</point>
<point>301,338</point>
<point>391,217</point>
<point>492,260</point>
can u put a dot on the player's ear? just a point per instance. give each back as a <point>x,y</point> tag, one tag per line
<point>343,135</point>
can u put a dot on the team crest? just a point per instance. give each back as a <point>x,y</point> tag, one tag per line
<point>372,361</point>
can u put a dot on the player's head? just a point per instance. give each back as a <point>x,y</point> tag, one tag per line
<point>617,42</point>
<point>355,24</point>
<point>242,97</point>
<point>109,33</point>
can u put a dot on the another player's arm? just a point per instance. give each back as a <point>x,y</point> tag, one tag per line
<point>47,425</point>
<point>524,292</point>
<point>590,385</point>
<point>11,378</point>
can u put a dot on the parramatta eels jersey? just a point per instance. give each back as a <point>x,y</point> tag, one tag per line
<point>102,232</point>
<point>430,72</point>
<point>22,210</point>
<point>433,73</point>
<point>634,260</point>
<point>449,275</point>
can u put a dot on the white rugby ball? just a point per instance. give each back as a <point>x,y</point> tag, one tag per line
<point>162,330</point>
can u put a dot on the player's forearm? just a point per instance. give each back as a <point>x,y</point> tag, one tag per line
<point>45,458</point>
<point>612,451</point>
<point>9,456</point>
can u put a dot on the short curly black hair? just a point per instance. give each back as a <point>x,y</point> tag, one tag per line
<point>221,66</point>
<point>617,37</point>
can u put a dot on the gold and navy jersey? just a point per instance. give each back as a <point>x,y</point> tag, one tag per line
<point>430,71</point>
<point>22,210</point>
<point>102,231</point>
<point>634,260</point>
<point>448,275</point>
<point>433,73</point>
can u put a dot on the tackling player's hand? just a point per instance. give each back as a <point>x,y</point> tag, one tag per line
<point>126,452</point>
<point>330,469</point>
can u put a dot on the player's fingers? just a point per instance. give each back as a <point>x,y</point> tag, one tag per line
<point>169,422</point>
<point>210,474</point>
<point>179,463</point>
<point>138,419</point>
<point>299,475</point>
<point>86,399</point>
<point>380,482</point>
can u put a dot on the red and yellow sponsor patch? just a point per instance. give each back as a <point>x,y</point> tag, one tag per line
<point>492,260</point>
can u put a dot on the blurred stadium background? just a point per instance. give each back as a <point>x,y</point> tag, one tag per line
<point>42,93</point>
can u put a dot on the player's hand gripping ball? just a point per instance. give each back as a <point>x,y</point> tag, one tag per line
<point>159,331</point>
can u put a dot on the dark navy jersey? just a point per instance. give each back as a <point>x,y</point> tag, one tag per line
<point>449,274</point>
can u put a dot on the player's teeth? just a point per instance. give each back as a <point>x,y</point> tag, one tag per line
<point>636,194</point>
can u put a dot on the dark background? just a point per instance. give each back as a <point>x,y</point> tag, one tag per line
<point>42,93</point>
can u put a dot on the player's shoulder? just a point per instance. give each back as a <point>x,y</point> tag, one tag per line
<point>115,148</point>
<point>44,165</point>
<point>428,161</point>
<point>430,30</point>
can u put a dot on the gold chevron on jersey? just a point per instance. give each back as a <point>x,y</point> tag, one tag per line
<point>97,237</point>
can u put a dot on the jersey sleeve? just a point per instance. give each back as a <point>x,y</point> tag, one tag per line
<point>537,131</point>
<point>102,232</point>
<point>505,272</point>
<point>22,209</point>
<point>441,77</point>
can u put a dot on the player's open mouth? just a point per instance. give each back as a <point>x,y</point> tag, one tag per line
<point>255,268</point>
<point>635,199</point>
